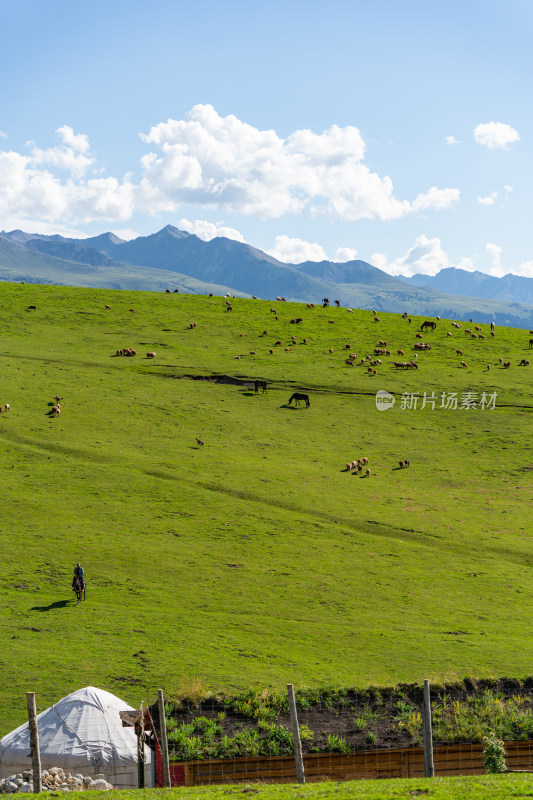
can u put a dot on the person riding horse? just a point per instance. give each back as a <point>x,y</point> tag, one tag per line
<point>79,573</point>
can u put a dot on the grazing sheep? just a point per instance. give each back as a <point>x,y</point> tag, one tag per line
<point>473,335</point>
<point>458,352</point>
<point>57,398</point>
<point>287,349</point>
<point>199,442</point>
<point>477,327</point>
<point>488,367</point>
<point>272,310</point>
<point>176,291</point>
<point>150,355</point>
<point>304,341</point>
<point>500,360</point>
<point>406,462</point>
<point>132,310</point>
<point>7,406</point>
<point>480,336</point>
<point>418,336</point>
<point>271,352</point>
<point>492,333</point>
<point>377,319</point>
<point>401,353</point>
<point>192,325</point>
<point>167,291</point>
<point>108,307</point>
<point>56,411</point>
<point>241,335</point>
<point>464,364</point>
<point>524,363</point>
<point>277,344</point>
<point>401,464</point>
<point>265,333</point>
<point>237,357</point>
<point>506,364</point>
<point>330,350</point>
<point>467,331</point>
<point>254,297</point>
<point>252,352</point>
<point>367,473</point>
<point>210,294</point>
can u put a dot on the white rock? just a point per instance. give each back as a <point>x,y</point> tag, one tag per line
<point>26,787</point>
<point>11,786</point>
<point>100,783</point>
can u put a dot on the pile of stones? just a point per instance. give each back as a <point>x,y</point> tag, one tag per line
<point>55,778</point>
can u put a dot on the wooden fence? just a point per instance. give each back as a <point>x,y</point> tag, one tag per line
<point>405,762</point>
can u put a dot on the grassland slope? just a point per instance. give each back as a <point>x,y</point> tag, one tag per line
<point>256,559</point>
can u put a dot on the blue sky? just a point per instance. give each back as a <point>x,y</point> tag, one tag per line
<point>398,133</point>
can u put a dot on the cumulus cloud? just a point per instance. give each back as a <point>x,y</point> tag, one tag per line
<point>210,230</point>
<point>495,135</point>
<point>495,253</point>
<point>451,140</point>
<point>295,251</point>
<point>343,254</point>
<point>488,200</point>
<point>226,163</point>
<point>425,257</point>
<point>212,161</point>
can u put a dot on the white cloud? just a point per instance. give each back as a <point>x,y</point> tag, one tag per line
<point>223,162</point>
<point>488,200</point>
<point>495,135</point>
<point>3,135</point>
<point>508,188</point>
<point>495,253</point>
<point>525,269</point>
<point>436,199</point>
<point>426,256</point>
<point>343,254</point>
<point>211,161</point>
<point>451,140</point>
<point>295,251</point>
<point>209,230</point>
<point>75,141</point>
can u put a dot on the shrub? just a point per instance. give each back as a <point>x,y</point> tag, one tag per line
<point>493,754</point>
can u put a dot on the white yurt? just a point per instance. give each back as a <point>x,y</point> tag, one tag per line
<point>82,733</point>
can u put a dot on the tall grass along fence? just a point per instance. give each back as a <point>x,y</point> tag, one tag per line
<point>344,733</point>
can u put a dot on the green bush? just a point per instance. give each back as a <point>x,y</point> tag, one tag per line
<point>493,754</point>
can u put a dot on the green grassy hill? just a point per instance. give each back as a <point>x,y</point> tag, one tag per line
<point>257,559</point>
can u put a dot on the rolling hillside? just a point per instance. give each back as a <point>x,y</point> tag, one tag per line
<point>257,559</point>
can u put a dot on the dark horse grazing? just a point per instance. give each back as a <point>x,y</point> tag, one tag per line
<point>78,586</point>
<point>428,324</point>
<point>297,397</point>
<point>530,343</point>
<point>260,385</point>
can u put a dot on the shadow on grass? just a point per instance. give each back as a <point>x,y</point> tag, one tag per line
<point>294,408</point>
<point>52,606</point>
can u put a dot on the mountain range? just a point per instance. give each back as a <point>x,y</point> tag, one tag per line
<point>174,259</point>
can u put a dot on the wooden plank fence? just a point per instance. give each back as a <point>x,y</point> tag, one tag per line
<point>405,762</point>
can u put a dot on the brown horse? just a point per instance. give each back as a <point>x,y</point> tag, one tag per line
<point>78,586</point>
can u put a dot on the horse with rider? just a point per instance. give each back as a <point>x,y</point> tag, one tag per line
<point>78,582</point>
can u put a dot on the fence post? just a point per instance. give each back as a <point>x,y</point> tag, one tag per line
<point>34,742</point>
<point>140,749</point>
<point>300,776</point>
<point>163,733</point>
<point>429,770</point>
